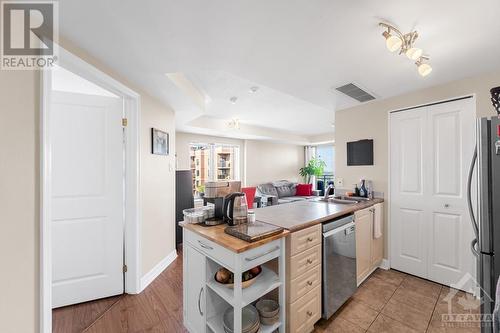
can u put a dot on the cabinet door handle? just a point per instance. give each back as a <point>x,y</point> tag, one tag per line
<point>309,283</point>
<point>199,302</point>
<point>263,254</point>
<point>310,239</point>
<point>309,313</point>
<point>309,261</point>
<point>205,246</point>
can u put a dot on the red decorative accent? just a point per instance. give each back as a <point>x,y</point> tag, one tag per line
<point>250,193</point>
<point>498,131</point>
<point>304,190</point>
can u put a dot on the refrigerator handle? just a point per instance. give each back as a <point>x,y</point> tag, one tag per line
<point>473,248</point>
<point>469,195</point>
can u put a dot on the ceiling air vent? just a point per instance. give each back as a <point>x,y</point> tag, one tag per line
<point>355,92</point>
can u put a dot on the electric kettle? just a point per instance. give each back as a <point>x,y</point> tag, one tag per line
<point>235,208</point>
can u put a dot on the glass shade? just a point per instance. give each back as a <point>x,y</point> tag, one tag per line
<point>393,43</point>
<point>414,53</point>
<point>424,69</point>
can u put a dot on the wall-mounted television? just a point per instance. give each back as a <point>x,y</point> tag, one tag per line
<point>360,152</point>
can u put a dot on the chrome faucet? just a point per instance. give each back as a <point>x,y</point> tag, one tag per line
<point>327,190</point>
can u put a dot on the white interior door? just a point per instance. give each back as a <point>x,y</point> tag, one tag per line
<point>431,148</point>
<point>451,145</point>
<point>87,215</point>
<point>408,197</point>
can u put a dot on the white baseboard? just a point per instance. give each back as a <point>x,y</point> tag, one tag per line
<point>157,270</point>
<point>385,264</point>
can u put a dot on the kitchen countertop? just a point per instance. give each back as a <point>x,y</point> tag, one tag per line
<point>217,235</point>
<point>298,215</point>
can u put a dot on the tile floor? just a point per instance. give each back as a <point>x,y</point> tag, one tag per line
<point>391,301</point>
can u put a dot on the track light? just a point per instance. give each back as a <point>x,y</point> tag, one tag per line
<point>395,40</point>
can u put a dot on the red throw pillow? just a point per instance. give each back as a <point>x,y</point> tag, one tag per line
<point>304,190</point>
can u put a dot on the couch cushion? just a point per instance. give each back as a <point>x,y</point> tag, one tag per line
<point>267,189</point>
<point>304,189</point>
<point>285,189</point>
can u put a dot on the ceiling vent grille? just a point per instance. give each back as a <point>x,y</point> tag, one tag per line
<point>355,92</point>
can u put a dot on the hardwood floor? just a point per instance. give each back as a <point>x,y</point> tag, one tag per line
<point>389,301</point>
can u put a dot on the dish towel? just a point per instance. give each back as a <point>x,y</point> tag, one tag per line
<point>377,225</point>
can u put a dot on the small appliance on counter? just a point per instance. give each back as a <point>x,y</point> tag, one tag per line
<point>235,208</point>
<point>215,192</point>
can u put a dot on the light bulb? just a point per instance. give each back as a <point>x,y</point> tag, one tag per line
<point>424,69</point>
<point>393,43</point>
<point>414,53</point>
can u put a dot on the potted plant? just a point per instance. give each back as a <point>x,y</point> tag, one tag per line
<point>315,167</point>
<point>201,190</point>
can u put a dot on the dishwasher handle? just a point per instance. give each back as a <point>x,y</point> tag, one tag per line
<point>346,228</point>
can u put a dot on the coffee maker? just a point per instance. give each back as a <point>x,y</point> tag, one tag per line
<point>214,194</point>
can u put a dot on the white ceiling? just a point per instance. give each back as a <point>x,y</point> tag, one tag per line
<point>294,51</point>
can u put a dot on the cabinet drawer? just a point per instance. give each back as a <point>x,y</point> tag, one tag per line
<point>305,312</point>
<point>305,283</point>
<point>216,252</point>
<point>303,262</point>
<point>305,239</point>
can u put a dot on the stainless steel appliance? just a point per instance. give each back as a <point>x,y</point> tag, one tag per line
<point>235,208</point>
<point>215,193</point>
<point>486,223</point>
<point>339,264</point>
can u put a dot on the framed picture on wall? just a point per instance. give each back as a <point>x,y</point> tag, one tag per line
<point>159,142</point>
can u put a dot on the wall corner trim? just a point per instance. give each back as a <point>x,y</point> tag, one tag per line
<point>157,270</point>
<point>385,264</point>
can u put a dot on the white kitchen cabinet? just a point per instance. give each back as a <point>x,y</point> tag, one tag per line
<point>205,300</point>
<point>195,295</point>
<point>369,250</point>
<point>377,248</point>
<point>363,221</point>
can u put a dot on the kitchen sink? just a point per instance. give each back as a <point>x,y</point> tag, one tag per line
<point>338,201</point>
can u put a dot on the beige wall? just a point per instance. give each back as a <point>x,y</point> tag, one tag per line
<point>370,121</point>
<point>19,201</point>
<point>260,161</point>
<point>19,189</point>
<point>267,161</point>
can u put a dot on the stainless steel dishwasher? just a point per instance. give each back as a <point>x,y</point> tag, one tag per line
<point>339,264</point>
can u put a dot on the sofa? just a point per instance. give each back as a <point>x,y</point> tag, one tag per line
<point>281,192</point>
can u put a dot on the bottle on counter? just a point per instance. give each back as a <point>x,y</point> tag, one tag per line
<point>363,192</point>
<point>356,190</point>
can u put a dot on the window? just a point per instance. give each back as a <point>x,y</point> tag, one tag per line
<point>327,154</point>
<point>211,162</point>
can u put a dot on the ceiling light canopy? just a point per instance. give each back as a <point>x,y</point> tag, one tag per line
<point>395,40</point>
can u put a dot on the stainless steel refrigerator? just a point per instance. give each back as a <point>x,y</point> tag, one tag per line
<point>486,217</point>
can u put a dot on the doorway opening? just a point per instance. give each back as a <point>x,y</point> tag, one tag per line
<point>90,223</point>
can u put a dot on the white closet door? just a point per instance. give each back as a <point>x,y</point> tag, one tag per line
<point>86,141</point>
<point>408,201</point>
<point>431,148</point>
<point>451,144</point>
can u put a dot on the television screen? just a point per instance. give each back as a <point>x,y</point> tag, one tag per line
<point>360,152</point>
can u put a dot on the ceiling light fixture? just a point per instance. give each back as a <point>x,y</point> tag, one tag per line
<point>234,123</point>
<point>395,40</point>
<point>233,99</point>
<point>253,89</point>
